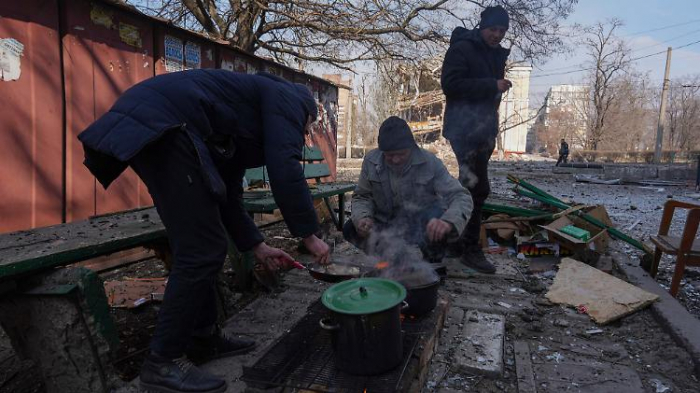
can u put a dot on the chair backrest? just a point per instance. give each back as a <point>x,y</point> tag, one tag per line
<point>312,160</point>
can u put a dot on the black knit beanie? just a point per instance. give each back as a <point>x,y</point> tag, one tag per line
<point>308,99</point>
<point>395,134</point>
<point>494,16</point>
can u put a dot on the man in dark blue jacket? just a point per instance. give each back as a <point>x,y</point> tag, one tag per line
<point>473,81</point>
<point>190,137</point>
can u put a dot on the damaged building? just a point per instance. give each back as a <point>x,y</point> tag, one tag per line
<point>422,104</point>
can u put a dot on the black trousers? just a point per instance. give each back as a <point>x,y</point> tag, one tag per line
<point>473,158</point>
<point>562,158</point>
<point>413,228</point>
<point>171,171</point>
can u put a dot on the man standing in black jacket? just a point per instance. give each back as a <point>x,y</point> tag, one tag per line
<point>473,82</point>
<point>190,137</point>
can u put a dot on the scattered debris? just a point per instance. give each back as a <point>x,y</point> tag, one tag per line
<point>659,386</point>
<point>594,331</point>
<point>596,180</point>
<point>134,292</point>
<point>556,357</point>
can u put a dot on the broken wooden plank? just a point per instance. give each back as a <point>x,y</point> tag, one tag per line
<point>44,248</point>
<point>118,259</point>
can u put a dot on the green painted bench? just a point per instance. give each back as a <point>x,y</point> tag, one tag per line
<point>52,313</point>
<point>261,201</point>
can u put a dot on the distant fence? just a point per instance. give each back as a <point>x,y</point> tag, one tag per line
<point>642,157</point>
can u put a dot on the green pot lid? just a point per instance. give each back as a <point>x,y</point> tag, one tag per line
<point>363,296</point>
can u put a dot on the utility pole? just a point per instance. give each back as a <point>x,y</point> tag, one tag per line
<point>662,110</point>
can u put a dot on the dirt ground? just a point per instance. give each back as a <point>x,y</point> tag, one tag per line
<point>636,343</point>
<point>636,210</point>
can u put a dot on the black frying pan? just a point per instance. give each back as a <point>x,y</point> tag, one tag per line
<point>334,272</point>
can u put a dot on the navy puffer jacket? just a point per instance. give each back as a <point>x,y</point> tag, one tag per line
<point>256,119</point>
<point>469,74</point>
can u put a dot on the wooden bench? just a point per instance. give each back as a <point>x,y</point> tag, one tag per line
<point>261,200</point>
<point>60,316</point>
<point>52,313</point>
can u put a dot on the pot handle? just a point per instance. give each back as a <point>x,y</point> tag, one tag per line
<point>404,305</point>
<point>327,324</point>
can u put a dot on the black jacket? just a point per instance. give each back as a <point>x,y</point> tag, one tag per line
<point>564,148</point>
<point>469,74</point>
<point>259,118</point>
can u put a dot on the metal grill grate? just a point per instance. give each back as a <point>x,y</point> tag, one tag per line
<point>303,359</point>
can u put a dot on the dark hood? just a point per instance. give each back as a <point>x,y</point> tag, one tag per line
<point>463,34</point>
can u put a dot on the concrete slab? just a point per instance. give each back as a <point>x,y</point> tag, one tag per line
<point>479,349</point>
<point>678,322</point>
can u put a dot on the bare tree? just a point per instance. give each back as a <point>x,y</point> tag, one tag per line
<point>684,115</point>
<point>631,116</point>
<point>340,32</point>
<point>609,57</point>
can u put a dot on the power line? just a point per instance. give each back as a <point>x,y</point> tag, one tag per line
<point>646,47</point>
<point>631,60</point>
<point>666,41</point>
<point>662,28</point>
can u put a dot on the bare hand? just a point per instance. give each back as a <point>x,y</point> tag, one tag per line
<point>270,257</point>
<point>437,229</point>
<point>364,226</point>
<point>318,248</point>
<point>504,85</point>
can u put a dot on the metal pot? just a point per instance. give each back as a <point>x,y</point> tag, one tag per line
<point>421,299</point>
<point>365,324</point>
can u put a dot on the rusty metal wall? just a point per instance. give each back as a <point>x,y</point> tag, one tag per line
<point>76,58</point>
<point>106,51</point>
<point>31,137</point>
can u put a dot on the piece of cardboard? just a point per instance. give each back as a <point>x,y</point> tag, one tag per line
<point>604,297</point>
<point>600,214</point>
<point>599,237</point>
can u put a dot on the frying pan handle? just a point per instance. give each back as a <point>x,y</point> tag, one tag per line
<point>327,324</point>
<point>404,305</point>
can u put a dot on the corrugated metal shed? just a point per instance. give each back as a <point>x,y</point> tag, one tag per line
<point>63,64</point>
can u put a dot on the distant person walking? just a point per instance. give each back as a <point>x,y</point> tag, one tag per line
<point>563,153</point>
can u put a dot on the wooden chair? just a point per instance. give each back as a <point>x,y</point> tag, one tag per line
<point>685,247</point>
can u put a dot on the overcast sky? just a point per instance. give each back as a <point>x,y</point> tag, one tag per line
<point>650,26</point>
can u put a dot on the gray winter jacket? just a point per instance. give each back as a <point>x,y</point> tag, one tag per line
<point>425,183</point>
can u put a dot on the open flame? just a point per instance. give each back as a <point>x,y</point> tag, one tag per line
<point>381,265</point>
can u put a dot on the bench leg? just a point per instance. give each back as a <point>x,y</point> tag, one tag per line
<point>63,324</point>
<point>243,263</point>
<point>332,213</point>
<point>341,211</point>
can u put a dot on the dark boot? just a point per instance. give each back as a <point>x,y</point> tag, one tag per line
<point>218,345</point>
<point>434,254</point>
<point>454,250</point>
<point>159,374</point>
<point>474,258</point>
